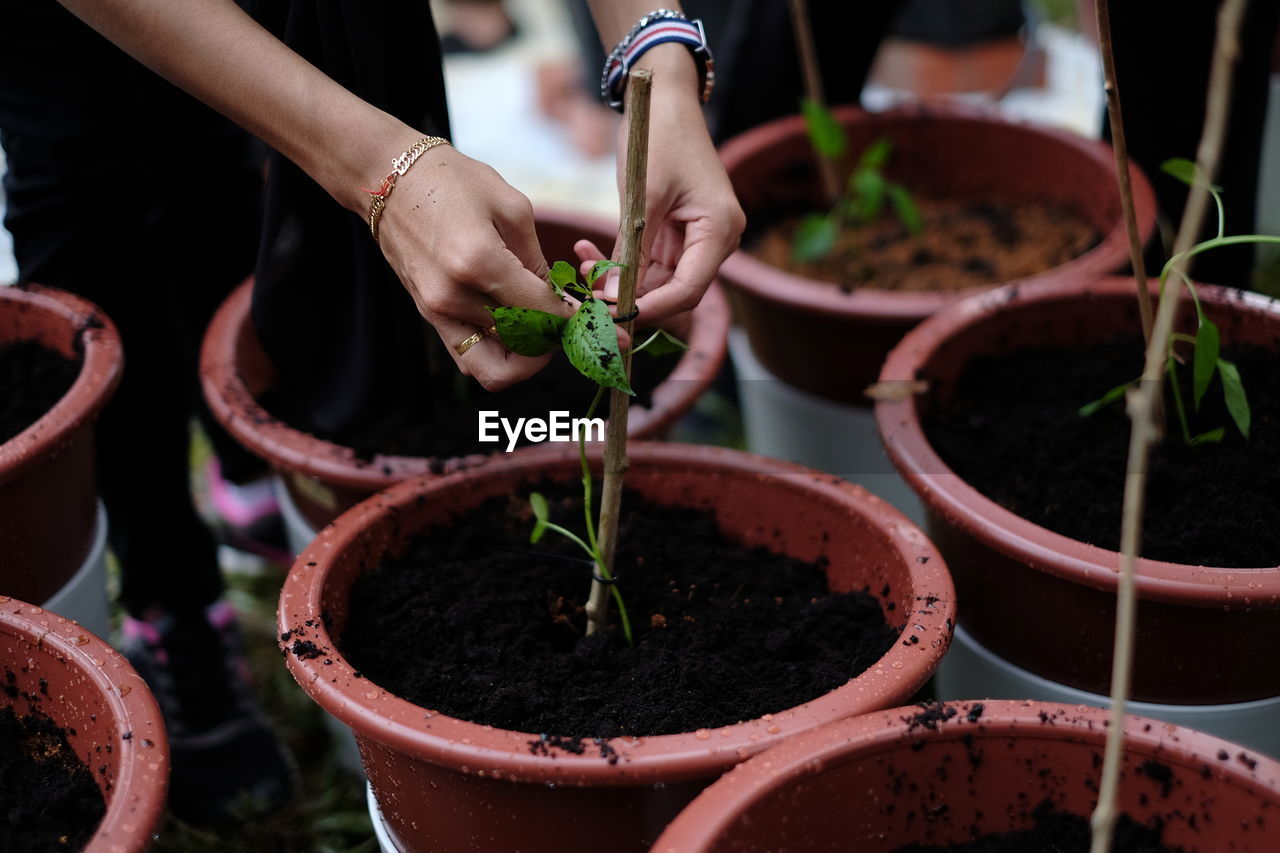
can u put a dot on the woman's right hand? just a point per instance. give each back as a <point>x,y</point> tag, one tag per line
<point>462,241</point>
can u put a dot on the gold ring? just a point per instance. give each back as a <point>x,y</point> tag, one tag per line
<point>461,349</point>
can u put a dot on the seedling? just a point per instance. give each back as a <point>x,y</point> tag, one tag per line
<point>590,341</point>
<point>864,194</point>
<point>1206,360</point>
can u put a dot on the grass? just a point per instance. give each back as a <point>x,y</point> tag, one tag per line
<point>329,813</point>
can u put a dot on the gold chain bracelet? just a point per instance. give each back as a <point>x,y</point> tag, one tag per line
<point>399,166</point>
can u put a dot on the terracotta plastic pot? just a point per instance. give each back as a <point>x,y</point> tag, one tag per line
<point>1042,601</point>
<point>48,498</point>
<point>444,784</point>
<point>111,720</point>
<point>815,337</point>
<point>324,479</point>
<point>878,782</point>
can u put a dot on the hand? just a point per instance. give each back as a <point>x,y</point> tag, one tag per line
<point>462,240</point>
<point>693,219</point>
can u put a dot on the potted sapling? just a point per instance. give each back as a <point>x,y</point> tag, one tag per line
<point>965,200</point>
<point>997,413</point>
<point>574,691</point>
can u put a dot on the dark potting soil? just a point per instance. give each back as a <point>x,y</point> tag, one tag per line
<point>1013,431</point>
<point>1057,831</point>
<point>471,624</point>
<point>450,427</point>
<point>34,378</point>
<point>963,243</point>
<point>48,799</point>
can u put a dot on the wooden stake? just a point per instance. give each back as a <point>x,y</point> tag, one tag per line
<point>1115,117</point>
<point>1142,406</point>
<point>813,89</point>
<point>632,230</point>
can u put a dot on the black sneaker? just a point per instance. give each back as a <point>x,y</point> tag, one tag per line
<point>226,762</point>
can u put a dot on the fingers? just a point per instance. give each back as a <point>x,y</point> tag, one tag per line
<point>483,356</point>
<point>705,248</point>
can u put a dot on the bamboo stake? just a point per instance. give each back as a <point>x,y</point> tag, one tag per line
<point>813,88</point>
<point>1115,117</point>
<point>632,230</point>
<point>1142,403</point>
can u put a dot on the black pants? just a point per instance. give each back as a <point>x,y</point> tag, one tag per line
<point>1163,60</point>
<point>128,192</point>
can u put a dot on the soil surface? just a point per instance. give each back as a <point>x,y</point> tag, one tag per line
<point>471,624</point>
<point>1057,831</point>
<point>450,428</point>
<point>48,799</point>
<point>34,378</point>
<point>1013,432</point>
<point>963,243</point>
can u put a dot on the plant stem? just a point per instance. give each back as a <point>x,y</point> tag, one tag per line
<point>1142,410</point>
<point>586,476</point>
<point>615,448</point>
<point>813,89</point>
<point>1116,120</point>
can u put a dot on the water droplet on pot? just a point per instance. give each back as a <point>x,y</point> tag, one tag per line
<point>123,690</point>
<point>773,729</point>
<point>372,694</point>
<point>80,639</point>
<point>98,661</point>
<point>702,734</point>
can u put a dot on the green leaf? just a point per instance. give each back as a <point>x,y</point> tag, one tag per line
<point>562,275</point>
<point>869,187</point>
<point>1105,400</point>
<point>875,155</point>
<point>528,331</point>
<point>905,206</point>
<point>825,133</point>
<point>600,268</point>
<point>1206,359</point>
<point>591,342</point>
<point>1233,393</point>
<point>815,238</point>
<point>1213,436</point>
<point>1186,171</point>
<point>540,515</point>
<point>664,343</point>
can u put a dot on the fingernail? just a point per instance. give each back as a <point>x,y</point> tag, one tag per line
<point>611,284</point>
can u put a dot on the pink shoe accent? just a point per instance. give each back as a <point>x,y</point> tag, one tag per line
<point>239,506</point>
<point>221,614</point>
<point>141,629</point>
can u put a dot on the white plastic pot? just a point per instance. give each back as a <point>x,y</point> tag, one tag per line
<point>786,423</point>
<point>84,597</point>
<point>971,671</point>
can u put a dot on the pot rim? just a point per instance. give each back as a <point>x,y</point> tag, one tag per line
<point>720,804</point>
<point>375,713</point>
<point>136,803</point>
<point>766,282</point>
<point>946,494</point>
<point>100,370</point>
<point>290,448</point>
